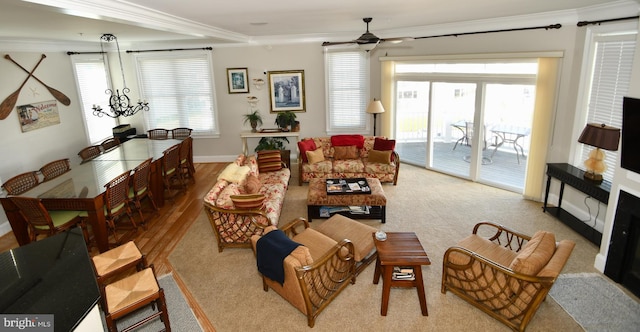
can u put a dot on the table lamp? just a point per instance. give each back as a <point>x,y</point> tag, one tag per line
<point>600,136</point>
<point>375,107</point>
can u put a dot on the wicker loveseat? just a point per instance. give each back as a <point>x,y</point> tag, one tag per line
<point>504,273</point>
<point>234,222</point>
<point>365,162</point>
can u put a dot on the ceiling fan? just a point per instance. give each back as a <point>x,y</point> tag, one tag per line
<point>368,41</point>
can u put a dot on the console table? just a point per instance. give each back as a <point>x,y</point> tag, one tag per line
<point>247,134</point>
<point>574,177</point>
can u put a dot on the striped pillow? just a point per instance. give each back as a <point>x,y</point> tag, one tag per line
<point>269,161</point>
<point>248,201</point>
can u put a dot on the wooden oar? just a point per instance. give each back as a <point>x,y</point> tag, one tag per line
<point>10,102</point>
<point>61,97</point>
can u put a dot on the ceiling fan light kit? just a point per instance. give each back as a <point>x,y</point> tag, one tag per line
<point>368,41</point>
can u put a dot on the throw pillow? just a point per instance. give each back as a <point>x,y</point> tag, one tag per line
<point>345,152</point>
<point>344,140</point>
<point>240,159</point>
<point>269,161</point>
<point>315,156</point>
<point>535,254</point>
<point>304,146</point>
<point>253,184</point>
<point>382,144</point>
<point>248,201</point>
<point>383,157</point>
<point>234,173</point>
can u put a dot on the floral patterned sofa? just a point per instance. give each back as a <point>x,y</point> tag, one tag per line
<point>242,203</point>
<point>348,156</point>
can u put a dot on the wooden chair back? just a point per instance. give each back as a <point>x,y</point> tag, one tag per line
<point>89,152</point>
<point>171,167</point>
<point>117,195</point>
<point>110,143</point>
<point>181,133</point>
<point>140,186</point>
<point>158,133</point>
<point>41,221</point>
<point>55,168</point>
<point>186,167</point>
<point>21,183</point>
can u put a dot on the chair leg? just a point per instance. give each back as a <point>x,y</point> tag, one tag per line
<point>162,307</point>
<point>111,324</point>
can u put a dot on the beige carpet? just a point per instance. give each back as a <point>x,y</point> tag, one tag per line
<point>439,208</point>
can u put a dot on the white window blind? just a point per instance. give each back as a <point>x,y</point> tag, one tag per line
<point>180,91</point>
<point>611,77</point>
<point>92,81</point>
<point>347,84</point>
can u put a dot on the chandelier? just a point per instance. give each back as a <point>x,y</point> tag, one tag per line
<point>119,104</point>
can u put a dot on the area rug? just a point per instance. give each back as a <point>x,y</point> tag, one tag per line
<point>181,316</point>
<point>595,303</point>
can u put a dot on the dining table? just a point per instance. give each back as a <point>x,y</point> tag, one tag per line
<point>83,187</point>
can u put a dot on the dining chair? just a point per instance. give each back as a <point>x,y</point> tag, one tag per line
<point>110,143</point>
<point>158,133</point>
<point>171,167</point>
<point>55,168</point>
<point>89,153</point>
<point>40,221</point>
<point>186,166</point>
<point>116,199</point>
<point>132,293</point>
<point>21,183</point>
<point>140,186</point>
<point>181,133</point>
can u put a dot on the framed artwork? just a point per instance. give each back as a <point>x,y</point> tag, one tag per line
<point>38,115</point>
<point>238,80</point>
<point>286,91</point>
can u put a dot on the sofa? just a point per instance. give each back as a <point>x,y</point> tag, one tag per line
<point>503,272</point>
<point>247,197</point>
<point>330,257</point>
<point>348,156</point>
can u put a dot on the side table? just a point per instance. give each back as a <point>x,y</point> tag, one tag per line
<point>400,249</point>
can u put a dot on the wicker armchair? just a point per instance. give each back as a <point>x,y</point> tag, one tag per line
<point>503,272</point>
<point>311,286</point>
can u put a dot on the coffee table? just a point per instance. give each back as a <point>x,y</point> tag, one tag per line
<point>317,197</point>
<point>400,249</point>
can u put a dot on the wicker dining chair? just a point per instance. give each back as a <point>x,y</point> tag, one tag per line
<point>158,133</point>
<point>140,186</point>
<point>89,153</point>
<point>116,199</point>
<point>181,133</point>
<point>43,222</point>
<point>186,166</point>
<point>55,168</point>
<point>21,183</point>
<point>110,143</point>
<point>171,167</point>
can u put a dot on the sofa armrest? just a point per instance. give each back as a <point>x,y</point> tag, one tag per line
<point>396,159</point>
<point>501,235</point>
<point>295,227</point>
<point>234,227</point>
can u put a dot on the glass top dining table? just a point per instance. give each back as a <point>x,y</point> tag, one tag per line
<point>82,187</point>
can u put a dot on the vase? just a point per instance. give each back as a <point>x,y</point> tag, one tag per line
<point>254,125</point>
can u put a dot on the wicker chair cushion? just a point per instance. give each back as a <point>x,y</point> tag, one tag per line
<point>318,243</point>
<point>484,248</point>
<point>339,227</point>
<point>535,254</point>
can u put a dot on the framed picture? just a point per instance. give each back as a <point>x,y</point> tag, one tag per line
<point>286,91</point>
<point>38,115</point>
<point>238,80</point>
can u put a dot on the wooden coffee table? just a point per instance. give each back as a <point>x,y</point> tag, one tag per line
<point>400,249</point>
<point>317,197</point>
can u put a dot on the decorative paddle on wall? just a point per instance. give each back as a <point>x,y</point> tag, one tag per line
<point>61,97</point>
<point>10,102</point>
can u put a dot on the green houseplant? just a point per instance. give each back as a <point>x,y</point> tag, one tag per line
<point>254,118</point>
<point>286,119</point>
<point>275,143</point>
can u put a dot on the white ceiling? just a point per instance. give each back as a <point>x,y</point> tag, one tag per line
<point>261,22</point>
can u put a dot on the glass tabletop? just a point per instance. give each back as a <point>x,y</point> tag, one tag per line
<point>138,149</point>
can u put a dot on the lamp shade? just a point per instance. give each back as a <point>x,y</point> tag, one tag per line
<point>375,107</point>
<point>600,136</point>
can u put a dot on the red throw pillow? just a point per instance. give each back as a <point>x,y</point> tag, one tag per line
<point>382,144</point>
<point>346,140</point>
<point>304,146</point>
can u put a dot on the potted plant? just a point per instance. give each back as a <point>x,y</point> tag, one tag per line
<point>286,119</point>
<point>254,118</point>
<point>275,143</point>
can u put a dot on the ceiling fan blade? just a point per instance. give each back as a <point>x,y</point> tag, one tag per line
<point>396,39</point>
<point>339,43</point>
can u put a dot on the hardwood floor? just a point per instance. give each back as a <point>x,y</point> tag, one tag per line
<point>165,228</point>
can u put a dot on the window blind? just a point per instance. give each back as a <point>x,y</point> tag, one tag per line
<point>180,91</point>
<point>610,82</point>
<point>347,84</point>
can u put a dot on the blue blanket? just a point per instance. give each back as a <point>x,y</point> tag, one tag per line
<point>271,250</point>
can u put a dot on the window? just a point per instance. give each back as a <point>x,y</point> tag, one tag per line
<point>347,84</point>
<point>92,81</point>
<point>610,72</point>
<point>179,89</point>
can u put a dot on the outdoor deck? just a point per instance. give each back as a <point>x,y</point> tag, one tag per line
<point>502,169</point>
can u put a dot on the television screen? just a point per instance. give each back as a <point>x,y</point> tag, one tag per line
<point>630,150</point>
